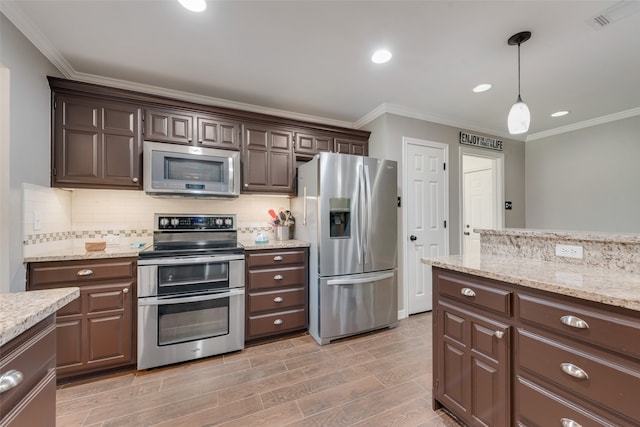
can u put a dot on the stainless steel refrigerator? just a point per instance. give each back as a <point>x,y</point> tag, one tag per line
<point>347,208</point>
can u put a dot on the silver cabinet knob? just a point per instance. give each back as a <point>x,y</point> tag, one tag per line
<point>85,272</point>
<point>278,299</point>
<point>135,179</point>
<point>498,334</point>
<point>278,277</point>
<point>246,185</point>
<point>10,379</point>
<point>467,292</point>
<point>574,371</point>
<point>568,422</point>
<point>277,258</point>
<point>574,322</point>
<point>278,322</point>
<point>125,291</point>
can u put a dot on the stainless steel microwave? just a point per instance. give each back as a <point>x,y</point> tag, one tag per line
<point>171,169</point>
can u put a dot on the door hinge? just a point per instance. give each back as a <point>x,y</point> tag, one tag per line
<point>444,166</point>
<point>445,224</point>
<point>55,104</point>
<point>54,172</point>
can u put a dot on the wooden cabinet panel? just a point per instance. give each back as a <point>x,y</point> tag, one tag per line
<point>475,293</point>
<point>310,144</point>
<point>277,283</point>
<point>96,332</point>
<point>217,133</point>
<point>168,126</point>
<point>349,146</point>
<point>96,143</point>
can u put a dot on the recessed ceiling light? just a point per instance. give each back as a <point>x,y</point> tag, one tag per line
<point>381,56</point>
<point>194,5</point>
<point>482,88</point>
<point>560,113</point>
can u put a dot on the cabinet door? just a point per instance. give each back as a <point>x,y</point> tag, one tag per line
<point>268,165</point>
<point>168,126</point>
<point>96,144</point>
<point>472,365</point>
<point>350,146</point>
<point>218,134</point>
<point>311,145</point>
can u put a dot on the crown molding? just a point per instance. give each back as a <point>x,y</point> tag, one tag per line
<point>411,113</point>
<point>11,10</point>
<point>585,124</point>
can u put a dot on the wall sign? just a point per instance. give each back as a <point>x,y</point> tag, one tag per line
<point>480,141</point>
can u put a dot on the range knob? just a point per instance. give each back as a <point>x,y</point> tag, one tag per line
<point>175,222</point>
<point>218,221</point>
<point>228,222</point>
<point>164,222</point>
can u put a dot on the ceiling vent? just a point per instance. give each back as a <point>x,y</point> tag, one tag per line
<point>613,14</point>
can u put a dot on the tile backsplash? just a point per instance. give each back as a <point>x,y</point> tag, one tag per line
<point>59,219</point>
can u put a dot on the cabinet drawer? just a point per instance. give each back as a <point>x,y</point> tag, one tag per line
<point>537,406</point>
<point>48,273</point>
<point>273,258</point>
<point>592,326</point>
<point>276,277</point>
<point>276,300</point>
<point>269,324</point>
<point>34,357</point>
<point>608,381</point>
<point>462,289</point>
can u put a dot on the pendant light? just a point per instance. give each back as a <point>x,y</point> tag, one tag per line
<point>519,116</point>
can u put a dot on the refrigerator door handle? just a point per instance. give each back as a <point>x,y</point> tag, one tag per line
<point>347,281</point>
<point>361,202</point>
<point>304,205</point>
<point>367,214</point>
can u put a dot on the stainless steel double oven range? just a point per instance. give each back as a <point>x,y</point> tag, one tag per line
<point>190,290</point>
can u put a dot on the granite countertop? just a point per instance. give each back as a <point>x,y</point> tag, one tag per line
<point>79,253</point>
<point>594,236</point>
<point>250,245</point>
<point>20,311</point>
<point>613,287</point>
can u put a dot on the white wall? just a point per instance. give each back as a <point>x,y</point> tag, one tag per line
<point>30,129</point>
<point>588,179</point>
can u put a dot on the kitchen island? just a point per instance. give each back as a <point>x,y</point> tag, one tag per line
<point>522,336</point>
<point>28,355</point>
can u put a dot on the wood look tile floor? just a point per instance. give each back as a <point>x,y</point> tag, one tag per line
<point>381,378</point>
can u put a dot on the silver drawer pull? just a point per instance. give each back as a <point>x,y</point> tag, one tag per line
<point>574,322</point>
<point>467,292</point>
<point>85,272</point>
<point>567,422</point>
<point>278,322</point>
<point>498,334</point>
<point>277,258</point>
<point>10,379</point>
<point>278,277</point>
<point>574,371</point>
<point>278,299</point>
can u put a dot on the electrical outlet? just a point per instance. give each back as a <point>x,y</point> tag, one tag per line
<point>111,239</point>
<point>569,251</point>
<point>37,220</point>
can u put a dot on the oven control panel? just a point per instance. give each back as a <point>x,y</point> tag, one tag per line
<point>194,222</point>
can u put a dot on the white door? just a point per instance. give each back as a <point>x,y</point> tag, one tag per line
<point>479,207</point>
<point>426,209</point>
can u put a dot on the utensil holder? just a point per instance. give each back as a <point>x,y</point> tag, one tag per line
<point>282,232</point>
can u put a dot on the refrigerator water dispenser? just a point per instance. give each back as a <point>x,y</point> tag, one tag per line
<point>339,218</point>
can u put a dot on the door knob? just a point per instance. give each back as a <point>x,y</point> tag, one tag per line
<point>466,233</point>
<point>413,238</point>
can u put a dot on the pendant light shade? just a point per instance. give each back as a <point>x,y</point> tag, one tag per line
<point>519,116</point>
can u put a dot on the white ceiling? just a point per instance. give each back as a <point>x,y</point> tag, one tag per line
<point>313,57</point>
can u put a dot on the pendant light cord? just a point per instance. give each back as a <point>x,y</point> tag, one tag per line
<point>519,99</point>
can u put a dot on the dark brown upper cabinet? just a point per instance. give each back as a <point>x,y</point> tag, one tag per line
<point>351,146</point>
<point>96,143</point>
<point>267,160</point>
<point>308,145</point>
<point>177,127</point>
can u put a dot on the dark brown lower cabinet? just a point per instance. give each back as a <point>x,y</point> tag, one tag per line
<point>32,401</point>
<point>509,355</point>
<point>96,331</point>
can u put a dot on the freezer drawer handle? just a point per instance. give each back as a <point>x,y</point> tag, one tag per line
<point>574,322</point>
<point>278,299</point>
<point>278,277</point>
<point>10,379</point>
<point>359,280</point>
<point>278,322</point>
<point>277,258</point>
<point>568,422</point>
<point>467,292</point>
<point>574,371</point>
<point>85,272</point>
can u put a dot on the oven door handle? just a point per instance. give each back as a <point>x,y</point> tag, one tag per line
<point>196,298</point>
<point>190,260</point>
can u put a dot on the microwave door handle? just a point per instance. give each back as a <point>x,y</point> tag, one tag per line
<point>197,298</point>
